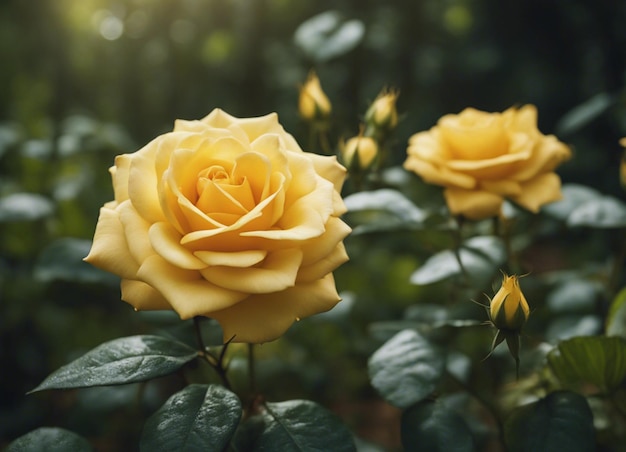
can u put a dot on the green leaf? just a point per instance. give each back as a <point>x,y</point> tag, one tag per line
<point>603,212</point>
<point>120,361</point>
<point>49,439</point>
<point>388,200</point>
<point>574,195</point>
<point>24,207</point>
<point>294,426</point>
<point>406,369</point>
<point>481,257</point>
<point>560,421</point>
<point>581,115</point>
<point>599,360</point>
<point>432,427</point>
<point>328,35</point>
<point>63,260</point>
<point>198,418</point>
<point>616,319</point>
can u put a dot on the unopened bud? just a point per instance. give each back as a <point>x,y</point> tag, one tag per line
<point>313,103</point>
<point>509,309</point>
<point>382,114</point>
<point>359,152</point>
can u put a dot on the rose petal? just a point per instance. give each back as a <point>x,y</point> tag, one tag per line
<point>473,204</point>
<point>109,250</point>
<point>265,317</point>
<point>119,176</point>
<point>142,297</point>
<point>547,155</point>
<point>541,190</point>
<point>278,272</point>
<point>438,175</point>
<point>329,168</point>
<point>135,231</point>
<point>233,259</point>
<point>319,247</point>
<point>142,183</point>
<point>186,290</point>
<point>166,242</point>
<point>501,187</point>
<point>323,266</point>
<point>474,135</point>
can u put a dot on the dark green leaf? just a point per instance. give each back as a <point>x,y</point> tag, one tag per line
<point>388,200</point>
<point>24,207</point>
<point>63,260</point>
<point>49,439</point>
<point>604,212</point>
<point>481,257</point>
<point>294,426</point>
<point>432,427</point>
<point>328,35</point>
<point>616,320</point>
<point>198,418</point>
<point>125,360</point>
<point>561,421</point>
<point>581,115</point>
<point>574,195</point>
<point>406,369</point>
<point>598,360</point>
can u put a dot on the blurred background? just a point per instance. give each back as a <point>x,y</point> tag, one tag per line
<point>83,81</point>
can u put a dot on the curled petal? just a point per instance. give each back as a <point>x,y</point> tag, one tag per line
<point>166,242</point>
<point>277,273</point>
<point>240,259</point>
<point>142,297</point>
<point>185,290</point>
<point>265,317</point>
<point>109,250</point>
<point>325,265</point>
<point>541,190</point>
<point>473,204</point>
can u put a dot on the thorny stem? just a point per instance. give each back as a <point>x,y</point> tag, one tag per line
<point>216,363</point>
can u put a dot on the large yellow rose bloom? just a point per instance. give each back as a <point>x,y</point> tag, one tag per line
<point>227,218</point>
<point>482,158</point>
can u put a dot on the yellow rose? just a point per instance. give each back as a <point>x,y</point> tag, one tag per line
<point>226,218</point>
<point>509,309</point>
<point>365,148</point>
<point>481,158</point>
<point>313,104</point>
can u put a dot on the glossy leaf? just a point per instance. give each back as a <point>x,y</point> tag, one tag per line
<point>63,260</point>
<point>328,35</point>
<point>386,199</point>
<point>599,360</point>
<point>574,195</point>
<point>50,439</point>
<point>560,421</point>
<point>481,257</point>
<point>125,360</point>
<point>406,369</point>
<point>432,427</point>
<point>616,320</point>
<point>294,426</point>
<point>24,207</point>
<point>604,212</point>
<point>581,115</point>
<point>198,418</point>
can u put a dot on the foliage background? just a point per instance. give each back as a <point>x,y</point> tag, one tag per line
<point>84,81</point>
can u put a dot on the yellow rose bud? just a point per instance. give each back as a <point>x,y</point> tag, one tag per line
<point>313,103</point>
<point>382,113</point>
<point>508,308</point>
<point>364,148</point>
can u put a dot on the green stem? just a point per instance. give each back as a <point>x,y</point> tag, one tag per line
<point>216,363</point>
